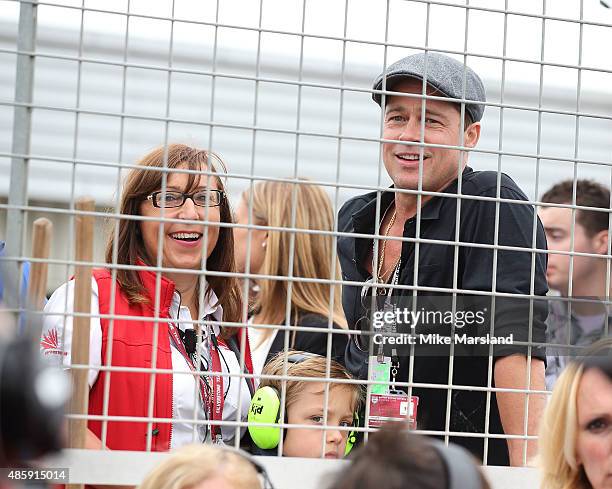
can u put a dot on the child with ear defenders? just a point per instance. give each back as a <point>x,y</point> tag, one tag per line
<point>305,405</point>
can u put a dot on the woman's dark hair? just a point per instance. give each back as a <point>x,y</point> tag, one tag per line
<point>147,178</point>
<point>394,458</point>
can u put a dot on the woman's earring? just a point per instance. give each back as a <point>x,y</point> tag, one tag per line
<point>264,244</point>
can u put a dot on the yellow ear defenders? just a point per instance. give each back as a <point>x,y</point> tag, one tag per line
<point>265,408</point>
<point>352,437</point>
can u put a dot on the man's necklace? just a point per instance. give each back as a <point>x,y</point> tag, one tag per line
<point>380,274</point>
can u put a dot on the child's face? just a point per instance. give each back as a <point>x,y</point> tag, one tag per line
<point>308,409</point>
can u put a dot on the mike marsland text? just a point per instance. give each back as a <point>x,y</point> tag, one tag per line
<point>438,339</point>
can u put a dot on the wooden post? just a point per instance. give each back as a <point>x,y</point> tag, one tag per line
<point>37,286</point>
<point>80,331</point>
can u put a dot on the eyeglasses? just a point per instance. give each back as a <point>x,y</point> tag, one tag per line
<point>201,198</point>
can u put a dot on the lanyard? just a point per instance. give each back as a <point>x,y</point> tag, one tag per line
<point>218,397</point>
<point>213,405</point>
<point>388,304</point>
<point>392,328</point>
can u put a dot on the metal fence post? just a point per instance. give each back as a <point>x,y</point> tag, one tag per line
<point>22,122</point>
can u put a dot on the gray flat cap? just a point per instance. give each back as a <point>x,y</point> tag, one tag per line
<point>443,73</point>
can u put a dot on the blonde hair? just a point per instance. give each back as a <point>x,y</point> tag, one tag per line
<point>312,252</point>
<point>314,366</point>
<point>139,183</point>
<point>558,432</point>
<point>194,464</point>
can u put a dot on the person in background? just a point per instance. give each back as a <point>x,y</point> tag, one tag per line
<point>23,289</point>
<point>395,218</point>
<point>305,404</point>
<point>584,320</point>
<point>310,256</point>
<point>204,467</point>
<point>188,303</point>
<point>25,273</point>
<point>576,432</point>
<point>395,458</point>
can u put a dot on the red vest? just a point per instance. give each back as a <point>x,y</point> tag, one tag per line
<point>132,346</point>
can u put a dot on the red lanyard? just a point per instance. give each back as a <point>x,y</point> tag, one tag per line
<point>218,395</point>
<point>212,404</point>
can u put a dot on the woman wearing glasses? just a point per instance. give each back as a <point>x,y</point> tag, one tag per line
<point>170,223</point>
<point>299,255</point>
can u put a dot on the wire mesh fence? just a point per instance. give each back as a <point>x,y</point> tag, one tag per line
<point>274,92</point>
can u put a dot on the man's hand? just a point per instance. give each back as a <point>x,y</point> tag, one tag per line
<point>511,373</point>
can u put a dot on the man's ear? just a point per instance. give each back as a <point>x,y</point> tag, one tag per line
<point>472,135</point>
<point>600,242</point>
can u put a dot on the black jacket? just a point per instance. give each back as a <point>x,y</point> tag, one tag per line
<point>313,342</point>
<point>436,268</point>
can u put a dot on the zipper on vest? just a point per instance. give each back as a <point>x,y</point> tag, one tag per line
<point>171,425</point>
<point>172,394</point>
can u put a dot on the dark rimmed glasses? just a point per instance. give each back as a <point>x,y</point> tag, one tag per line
<point>201,198</point>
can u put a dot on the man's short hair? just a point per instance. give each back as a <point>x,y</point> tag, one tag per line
<point>589,194</point>
<point>467,120</point>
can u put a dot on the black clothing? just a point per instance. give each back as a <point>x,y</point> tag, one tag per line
<point>310,341</point>
<point>474,272</point>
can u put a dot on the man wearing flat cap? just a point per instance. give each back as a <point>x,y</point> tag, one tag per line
<point>444,230</point>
